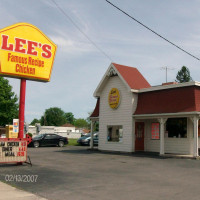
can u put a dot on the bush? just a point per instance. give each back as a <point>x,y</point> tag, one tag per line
<point>30,134</point>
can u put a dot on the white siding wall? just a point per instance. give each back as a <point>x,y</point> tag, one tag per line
<point>120,116</point>
<point>172,145</point>
<point>149,144</point>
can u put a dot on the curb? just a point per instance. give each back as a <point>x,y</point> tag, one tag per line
<point>9,193</point>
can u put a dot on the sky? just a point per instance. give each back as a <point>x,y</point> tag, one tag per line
<point>79,66</point>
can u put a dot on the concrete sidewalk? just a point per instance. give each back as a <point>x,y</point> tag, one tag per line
<point>11,193</point>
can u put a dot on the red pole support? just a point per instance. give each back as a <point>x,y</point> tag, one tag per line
<point>22,108</point>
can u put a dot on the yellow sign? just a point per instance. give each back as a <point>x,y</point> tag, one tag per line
<point>10,133</point>
<point>25,52</point>
<point>114,98</point>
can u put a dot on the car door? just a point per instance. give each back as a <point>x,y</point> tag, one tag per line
<point>55,139</point>
<point>48,140</point>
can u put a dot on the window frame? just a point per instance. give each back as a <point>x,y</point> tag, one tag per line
<point>120,135</point>
<point>177,127</point>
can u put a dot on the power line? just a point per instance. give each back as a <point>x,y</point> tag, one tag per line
<point>64,13</point>
<point>153,31</point>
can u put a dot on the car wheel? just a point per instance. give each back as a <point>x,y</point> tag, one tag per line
<point>36,144</point>
<point>61,144</point>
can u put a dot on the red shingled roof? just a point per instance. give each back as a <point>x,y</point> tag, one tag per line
<point>183,99</point>
<point>67,125</point>
<point>96,110</point>
<point>132,76</point>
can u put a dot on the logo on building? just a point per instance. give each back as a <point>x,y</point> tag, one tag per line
<point>114,98</point>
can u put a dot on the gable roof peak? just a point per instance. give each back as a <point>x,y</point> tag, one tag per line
<point>130,76</point>
<point>119,65</point>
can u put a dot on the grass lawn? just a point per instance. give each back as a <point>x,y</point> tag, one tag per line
<point>73,142</point>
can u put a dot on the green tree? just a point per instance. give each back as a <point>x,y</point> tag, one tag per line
<point>53,117</point>
<point>35,121</point>
<point>8,103</point>
<point>70,117</point>
<point>183,75</point>
<point>81,123</point>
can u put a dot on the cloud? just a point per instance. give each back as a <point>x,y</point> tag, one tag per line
<point>34,113</point>
<point>71,46</point>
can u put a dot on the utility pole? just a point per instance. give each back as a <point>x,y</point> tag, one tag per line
<point>166,68</point>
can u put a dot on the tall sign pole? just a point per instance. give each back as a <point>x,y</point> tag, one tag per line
<point>22,108</point>
<point>28,54</point>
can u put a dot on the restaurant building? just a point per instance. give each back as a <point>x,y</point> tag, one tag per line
<point>135,116</point>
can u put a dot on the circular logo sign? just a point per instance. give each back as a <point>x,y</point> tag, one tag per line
<point>114,98</point>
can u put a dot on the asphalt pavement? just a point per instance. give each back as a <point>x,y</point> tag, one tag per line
<point>73,172</point>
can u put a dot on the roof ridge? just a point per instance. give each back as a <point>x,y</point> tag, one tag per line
<point>132,76</point>
<point>124,65</point>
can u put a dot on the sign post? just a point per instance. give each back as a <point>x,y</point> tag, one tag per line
<point>25,53</point>
<point>22,107</point>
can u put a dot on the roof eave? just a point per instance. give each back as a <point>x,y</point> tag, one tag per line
<point>164,87</point>
<point>158,115</point>
<point>97,92</point>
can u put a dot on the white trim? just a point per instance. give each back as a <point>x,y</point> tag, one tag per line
<point>162,135</point>
<point>94,118</point>
<point>91,139</point>
<point>143,116</point>
<point>135,91</point>
<point>164,87</point>
<point>106,77</point>
<point>195,120</point>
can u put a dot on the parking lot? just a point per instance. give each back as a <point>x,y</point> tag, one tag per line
<point>73,172</point>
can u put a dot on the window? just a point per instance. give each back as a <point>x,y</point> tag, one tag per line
<point>51,136</point>
<point>115,133</point>
<point>155,131</point>
<point>177,127</point>
<point>48,137</point>
<point>39,136</point>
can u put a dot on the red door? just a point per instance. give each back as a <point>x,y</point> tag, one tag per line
<point>139,136</point>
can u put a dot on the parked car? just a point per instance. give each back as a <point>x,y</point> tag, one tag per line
<point>85,140</point>
<point>48,140</point>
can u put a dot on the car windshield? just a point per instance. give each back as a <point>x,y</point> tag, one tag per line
<point>39,136</point>
<point>86,136</point>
